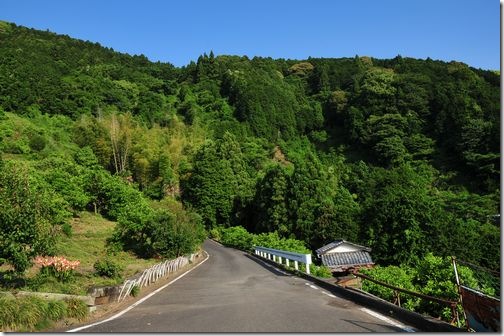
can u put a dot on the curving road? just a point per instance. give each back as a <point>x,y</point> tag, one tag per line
<point>233,292</point>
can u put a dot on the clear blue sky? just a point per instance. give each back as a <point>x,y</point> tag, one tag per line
<point>180,31</point>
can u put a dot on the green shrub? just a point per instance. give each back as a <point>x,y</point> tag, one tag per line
<point>66,178</point>
<point>431,276</point>
<point>86,157</point>
<point>15,146</point>
<point>25,217</point>
<point>215,234</point>
<point>238,237</point>
<point>135,291</point>
<point>37,142</point>
<point>272,240</point>
<point>76,309</point>
<point>176,234</point>
<point>320,271</point>
<point>67,229</point>
<point>107,268</point>
<point>402,277</point>
<point>41,280</point>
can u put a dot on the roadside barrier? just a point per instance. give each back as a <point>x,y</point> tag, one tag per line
<point>152,274</point>
<point>279,255</point>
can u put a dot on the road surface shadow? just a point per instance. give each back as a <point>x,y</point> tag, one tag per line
<point>265,265</point>
<point>362,325</point>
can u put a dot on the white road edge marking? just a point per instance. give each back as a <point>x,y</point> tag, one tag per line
<point>279,270</point>
<point>386,319</point>
<point>270,266</point>
<point>333,296</point>
<point>311,286</point>
<point>139,301</point>
<point>216,242</point>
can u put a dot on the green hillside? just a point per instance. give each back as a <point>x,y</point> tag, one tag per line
<point>401,155</point>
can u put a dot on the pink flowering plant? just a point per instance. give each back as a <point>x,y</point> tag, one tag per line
<point>59,267</point>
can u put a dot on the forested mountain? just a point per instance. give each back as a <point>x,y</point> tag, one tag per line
<point>402,155</point>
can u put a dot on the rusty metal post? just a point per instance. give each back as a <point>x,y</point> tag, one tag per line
<point>397,298</point>
<point>460,295</point>
<point>455,315</point>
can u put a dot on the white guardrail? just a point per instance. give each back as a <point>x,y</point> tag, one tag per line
<point>152,274</point>
<point>279,255</point>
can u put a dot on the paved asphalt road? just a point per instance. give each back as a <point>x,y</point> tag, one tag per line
<point>233,292</point>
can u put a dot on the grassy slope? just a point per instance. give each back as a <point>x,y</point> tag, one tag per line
<point>88,244</point>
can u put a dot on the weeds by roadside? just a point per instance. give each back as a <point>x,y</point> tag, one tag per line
<point>32,313</point>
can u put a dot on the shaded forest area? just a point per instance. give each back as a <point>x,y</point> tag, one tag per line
<point>401,155</point>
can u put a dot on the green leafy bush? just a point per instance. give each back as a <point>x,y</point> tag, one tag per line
<point>320,271</point>
<point>67,229</point>
<point>169,233</point>
<point>37,142</point>
<point>432,276</point>
<point>402,277</point>
<point>238,237</point>
<point>107,268</point>
<point>273,240</point>
<point>65,178</point>
<point>173,235</point>
<point>13,135</point>
<point>214,233</point>
<point>25,222</point>
<point>135,290</point>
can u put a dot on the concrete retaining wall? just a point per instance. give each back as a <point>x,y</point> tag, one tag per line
<point>55,296</point>
<point>104,295</point>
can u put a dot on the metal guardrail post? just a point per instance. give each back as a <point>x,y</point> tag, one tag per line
<point>151,275</point>
<point>279,256</point>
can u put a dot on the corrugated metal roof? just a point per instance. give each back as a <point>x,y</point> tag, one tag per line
<point>346,259</point>
<point>336,243</point>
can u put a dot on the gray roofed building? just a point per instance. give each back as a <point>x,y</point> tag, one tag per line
<point>341,255</point>
<point>340,262</point>
<point>340,243</point>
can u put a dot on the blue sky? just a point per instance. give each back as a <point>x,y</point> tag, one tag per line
<point>180,31</point>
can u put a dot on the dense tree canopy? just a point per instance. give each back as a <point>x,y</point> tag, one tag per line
<point>402,154</point>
